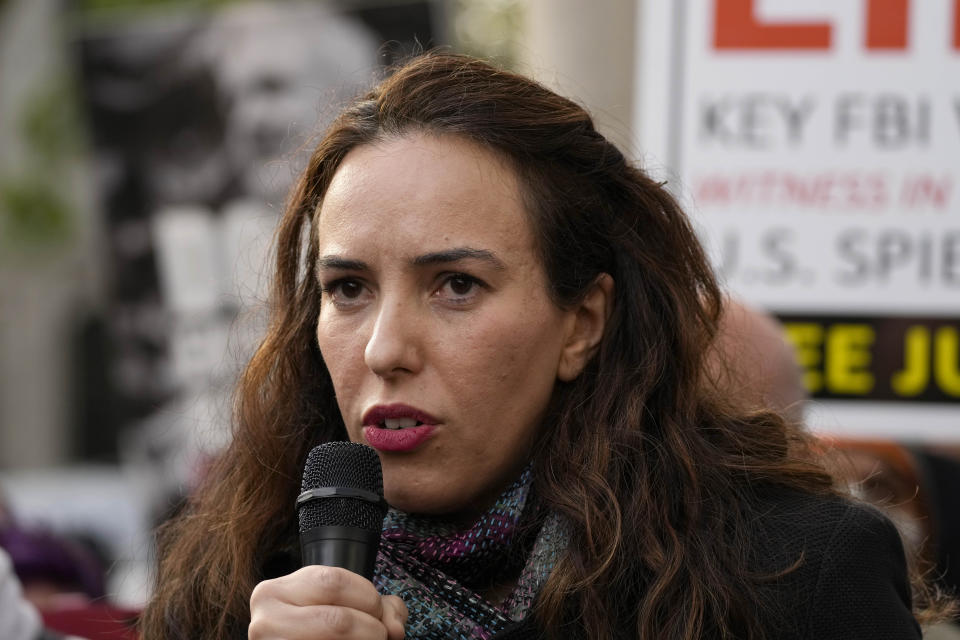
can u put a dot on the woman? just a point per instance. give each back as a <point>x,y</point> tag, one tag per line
<point>476,283</point>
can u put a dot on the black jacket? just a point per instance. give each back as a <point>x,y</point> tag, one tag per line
<point>851,583</point>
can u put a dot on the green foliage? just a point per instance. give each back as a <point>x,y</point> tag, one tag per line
<point>34,214</point>
<point>489,28</point>
<point>108,5</point>
<point>49,124</point>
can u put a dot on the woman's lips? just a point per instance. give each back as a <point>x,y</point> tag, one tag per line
<point>376,414</point>
<point>405,438</point>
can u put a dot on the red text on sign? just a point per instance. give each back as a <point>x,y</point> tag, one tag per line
<point>736,27</point>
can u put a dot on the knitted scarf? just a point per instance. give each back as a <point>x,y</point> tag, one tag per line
<point>437,568</point>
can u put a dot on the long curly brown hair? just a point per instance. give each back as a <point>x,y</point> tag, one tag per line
<point>651,471</point>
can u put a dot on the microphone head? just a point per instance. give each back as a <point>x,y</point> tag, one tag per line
<point>347,466</point>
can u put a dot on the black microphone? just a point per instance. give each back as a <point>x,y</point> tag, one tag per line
<point>341,507</point>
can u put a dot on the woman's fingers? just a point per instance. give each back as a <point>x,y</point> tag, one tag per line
<point>319,585</point>
<point>394,617</point>
<point>315,622</point>
<point>324,603</point>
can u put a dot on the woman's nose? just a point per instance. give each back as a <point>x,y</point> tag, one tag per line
<point>393,348</point>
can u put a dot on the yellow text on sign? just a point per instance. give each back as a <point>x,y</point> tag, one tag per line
<point>835,358</point>
<point>921,363</point>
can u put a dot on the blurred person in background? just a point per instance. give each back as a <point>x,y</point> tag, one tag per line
<point>56,572</point>
<point>51,583</point>
<point>753,361</point>
<point>463,239</point>
<point>918,488</point>
<point>19,619</point>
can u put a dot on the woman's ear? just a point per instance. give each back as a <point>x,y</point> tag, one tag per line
<point>587,323</point>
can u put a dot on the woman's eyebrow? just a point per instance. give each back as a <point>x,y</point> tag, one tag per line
<point>460,253</point>
<point>344,264</point>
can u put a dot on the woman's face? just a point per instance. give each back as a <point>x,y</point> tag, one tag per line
<point>435,322</point>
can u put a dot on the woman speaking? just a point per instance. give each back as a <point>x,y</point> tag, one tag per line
<point>474,282</point>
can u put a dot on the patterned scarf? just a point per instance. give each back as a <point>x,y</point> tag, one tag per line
<point>437,568</point>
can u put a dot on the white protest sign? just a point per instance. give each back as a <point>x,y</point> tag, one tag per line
<point>817,145</point>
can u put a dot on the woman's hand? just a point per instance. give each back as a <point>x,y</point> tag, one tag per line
<point>321,603</point>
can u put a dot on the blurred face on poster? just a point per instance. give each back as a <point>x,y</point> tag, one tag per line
<point>279,69</point>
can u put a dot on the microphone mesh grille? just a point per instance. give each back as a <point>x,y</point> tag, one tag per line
<point>342,464</point>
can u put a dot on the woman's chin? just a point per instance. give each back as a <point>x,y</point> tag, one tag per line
<point>418,502</point>
<point>449,508</point>
<point>423,502</point>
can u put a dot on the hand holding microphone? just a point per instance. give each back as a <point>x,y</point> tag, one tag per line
<point>341,512</point>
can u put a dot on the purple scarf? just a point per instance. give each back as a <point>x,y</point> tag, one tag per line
<point>438,569</point>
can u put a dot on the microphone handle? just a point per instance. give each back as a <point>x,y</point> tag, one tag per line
<point>349,548</point>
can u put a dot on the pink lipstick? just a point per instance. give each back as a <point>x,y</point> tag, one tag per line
<point>397,427</point>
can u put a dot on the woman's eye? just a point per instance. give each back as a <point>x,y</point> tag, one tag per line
<point>459,286</point>
<point>349,289</point>
<point>344,291</point>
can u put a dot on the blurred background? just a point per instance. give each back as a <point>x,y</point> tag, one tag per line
<point>146,147</point>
